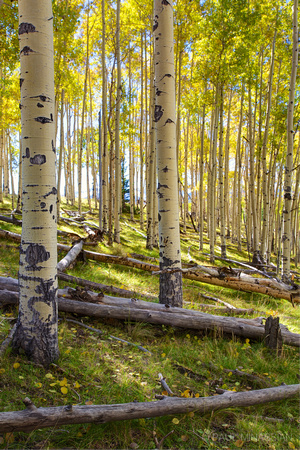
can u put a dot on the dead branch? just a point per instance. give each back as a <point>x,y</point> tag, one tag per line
<point>215,299</point>
<point>32,418</point>
<point>164,384</point>
<point>161,314</point>
<point>7,341</point>
<point>70,257</point>
<point>96,330</point>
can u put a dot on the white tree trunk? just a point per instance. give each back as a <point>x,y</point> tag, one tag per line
<point>165,121</point>
<point>36,331</point>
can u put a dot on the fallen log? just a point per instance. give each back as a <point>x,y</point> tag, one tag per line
<point>70,257</point>
<point>209,275</point>
<point>33,418</point>
<point>162,315</point>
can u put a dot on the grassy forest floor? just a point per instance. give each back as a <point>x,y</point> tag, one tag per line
<point>93,369</point>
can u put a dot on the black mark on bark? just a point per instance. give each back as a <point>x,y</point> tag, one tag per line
<point>169,121</point>
<point>162,186</point>
<point>26,50</point>
<point>165,2</point>
<point>39,105</point>
<point>158,92</point>
<point>44,119</point>
<point>158,113</point>
<point>25,27</point>
<point>52,192</point>
<point>155,25</point>
<point>165,169</point>
<point>42,98</point>
<point>53,148</point>
<point>51,208</point>
<point>27,153</point>
<point>43,204</point>
<point>38,159</point>
<point>21,82</point>
<point>36,254</point>
<point>168,75</point>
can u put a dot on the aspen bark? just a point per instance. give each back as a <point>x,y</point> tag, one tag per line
<point>286,238</point>
<point>265,193</point>
<point>165,121</point>
<point>117,162</point>
<point>36,332</point>
<point>104,224</point>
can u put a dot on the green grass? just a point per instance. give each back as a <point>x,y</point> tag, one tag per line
<point>94,369</point>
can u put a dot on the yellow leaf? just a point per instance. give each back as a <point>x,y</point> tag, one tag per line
<point>9,438</point>
<point>184,438</point>
<point>239,443</point>
<point>247,341</point>
<point>67,351</point>
<point>291,445</point>
<point>53,384</point>
<point>64,390</point>
<point>79,434</point>
<point>16,365</point>
<point>2,370</point>
<point>49,375</point>
<point>77,385</point>
<point>88,402</point>
<point>188,336</point>
<point>191,414</point>
<point>38,385</point>
<point>197,395</point>
<point>163,355</point>
<point>186,393</point>
<point>229,374</point>
<point>63,382</point>
<point>164,393</point>
<point>175,421</point>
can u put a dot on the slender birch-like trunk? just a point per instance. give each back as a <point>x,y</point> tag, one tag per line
<point>221,180</point>
<point>141,140</point>
<point>165,120</point>
<point>288,198</point>
<point>117,161</point>
<point>104,224</point>
<point>36,332</point>
<point>265,193</point>
<point>61,150</point>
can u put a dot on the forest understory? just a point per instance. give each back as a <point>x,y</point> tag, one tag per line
<point>112,361</point>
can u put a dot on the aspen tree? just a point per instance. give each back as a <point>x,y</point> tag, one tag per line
<point>36,332</point>
<point>117,161</point>
<point>141,139</point>
<point>286,238</point>
<point>165,121</point>
<point>104,206</point>
<point>265,193</point>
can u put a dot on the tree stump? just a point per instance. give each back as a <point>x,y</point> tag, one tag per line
<point>273,338</point>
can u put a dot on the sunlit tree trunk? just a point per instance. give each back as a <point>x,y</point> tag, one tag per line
<point>36,332</point>
<point>141,139</point>
<point>165,120</point>
<point>226,168</point>
<point>265,196</point>
<point>212,179</point>
<point>79,165</point>
<point>201,181</point>
<point>288,197</point>
<point>61,151</point>
<point>104,224</point>
<point>221,180</point>
<point>117,161</point>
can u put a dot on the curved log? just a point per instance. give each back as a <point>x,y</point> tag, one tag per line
<point>33,418</point>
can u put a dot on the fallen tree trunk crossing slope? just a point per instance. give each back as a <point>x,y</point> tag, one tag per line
<point>32,417</point>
